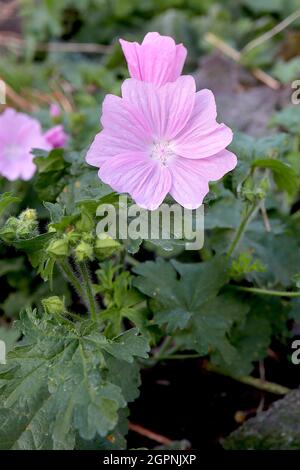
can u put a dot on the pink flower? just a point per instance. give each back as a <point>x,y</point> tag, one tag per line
<point>56,136</point>
<point>19,134</point>
<point>157,60</point>
<point>161,140</point>
<point>55,110</point>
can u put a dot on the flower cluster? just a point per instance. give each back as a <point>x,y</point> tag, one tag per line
<point>19,135</point>
<point>160,136</point>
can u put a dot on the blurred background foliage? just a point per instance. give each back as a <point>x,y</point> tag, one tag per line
<point>68,51</point>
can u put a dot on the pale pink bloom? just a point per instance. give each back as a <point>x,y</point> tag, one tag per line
<point>161,140</point>
<point>56,136</point>
<point>157,60</point>
<point>19,134</point>
<point>55,110</point>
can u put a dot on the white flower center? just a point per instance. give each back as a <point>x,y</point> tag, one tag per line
<point>162,152</point>
<point>12,152</point>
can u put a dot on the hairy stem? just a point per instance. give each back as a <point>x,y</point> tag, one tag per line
<point>89,294</point>
<point>240,231</point>
<point>67,270</point>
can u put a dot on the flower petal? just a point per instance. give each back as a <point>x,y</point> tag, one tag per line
<point>202,135</point>
<point>167,109</point>
<point>124,129</point>
<point>144,179</point>
<point>157,60</point>
<point>56,136</point>
<point>190,177</point>
<point>124,120</point>
<point>204,114</point>
<point>104,146</point>
<point>22,168</point>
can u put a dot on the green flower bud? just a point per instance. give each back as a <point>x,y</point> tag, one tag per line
<point>29,215</point>
<point>59,247</point>
<point>54,305</point>
<point>84,251</point>
<point>73,237</point>
<point>8,232</point>
<point>106,246</point>
<point>27,224</point>
<point>27,229</point>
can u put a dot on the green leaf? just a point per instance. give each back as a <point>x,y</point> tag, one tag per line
<point>47,163</point>
<point>6,199</point>
<point>252,337</point>
<point>288,119</point>
<point>65,378</point>
<point>274,429</point>
<point>284,175</point>
<point>278,252</point>
<point>210,325</point>
<point>35,244</point>
<point>56,211</point>
<point>9,336</point>
<point>288,71</point>
<point>226,212</point>
<point>51,176</point>
<point>243,146</point>
<point>271,146</point>
<point>249,149</point>
<point>190,306</point>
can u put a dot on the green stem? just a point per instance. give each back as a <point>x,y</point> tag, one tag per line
<point>241,229</point>
<point>163,348</point>
<point>261,384</point>
<point>91,302</point>
<point>176,357</point>
<point>256,290</point>
<point>131,260</point>
<point>66,268</point>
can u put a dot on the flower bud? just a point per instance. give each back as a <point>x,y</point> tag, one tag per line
<point>106,247</point>
<point>29,215</point>
<point>59,247</point>
<point>55,111</point>
<point>27,224</point>
<point>73,237</point>
<point>57,137</point>
<point>84,251</point>
<point>8,232</point>
<point>54,305</point>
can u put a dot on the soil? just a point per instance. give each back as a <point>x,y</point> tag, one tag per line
<point>181,401</point>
